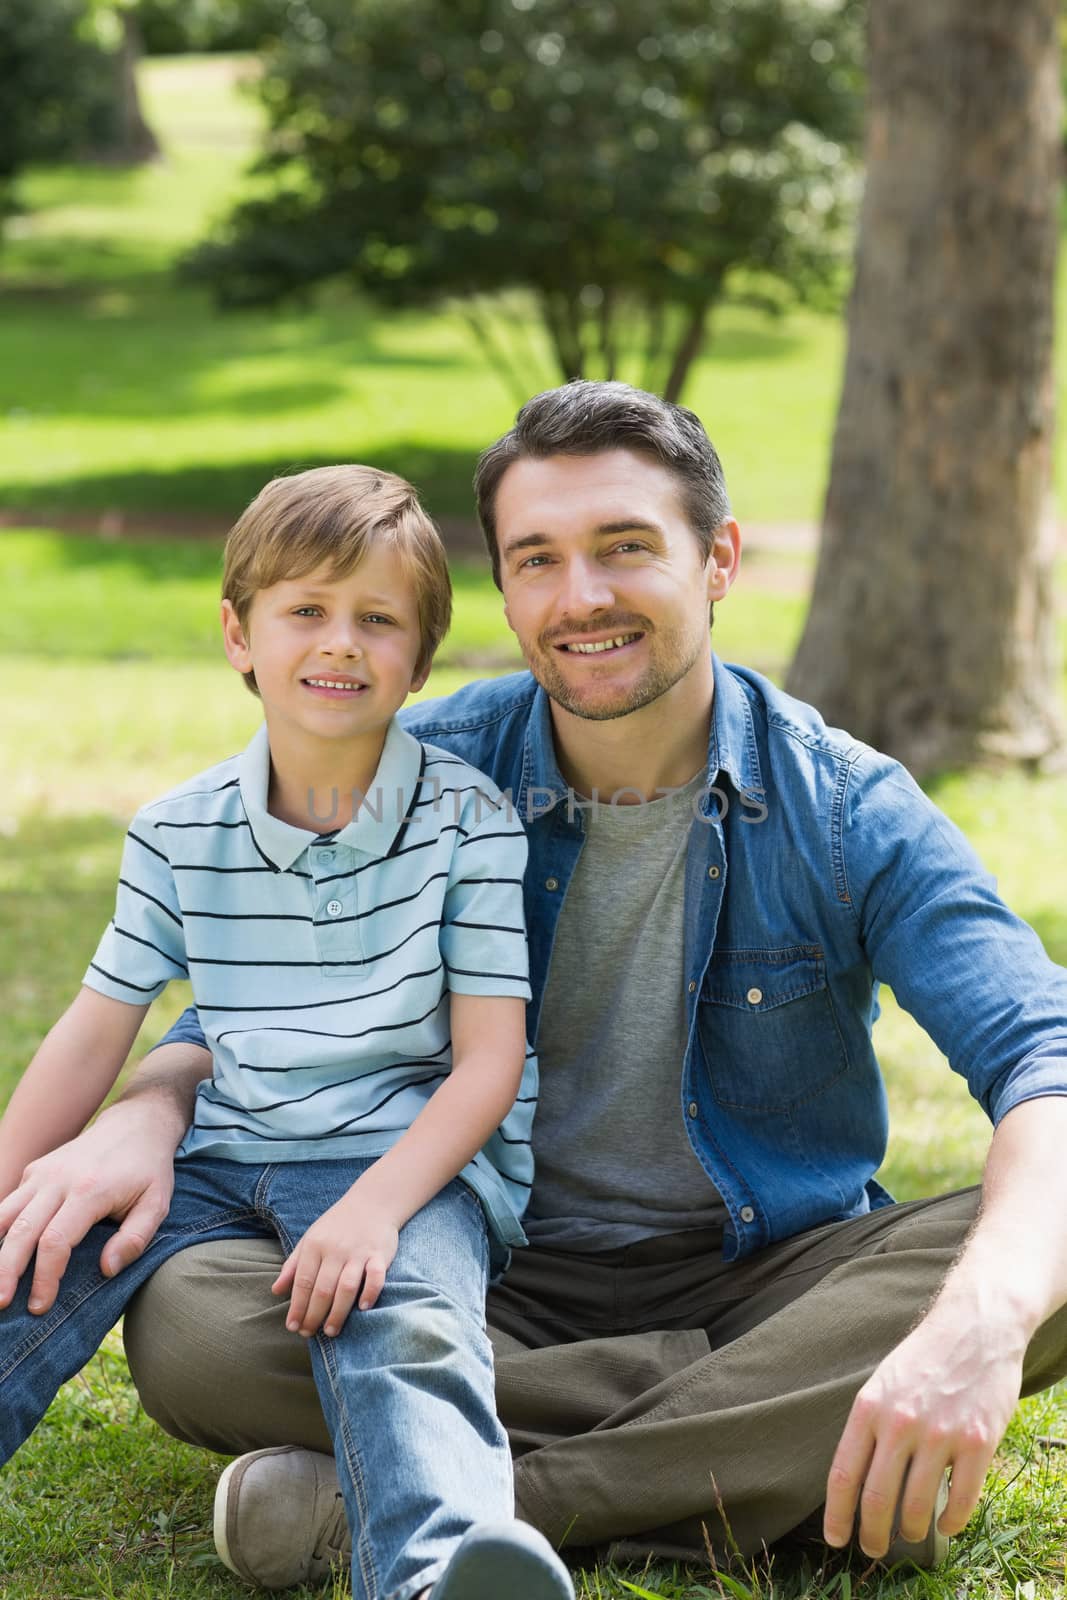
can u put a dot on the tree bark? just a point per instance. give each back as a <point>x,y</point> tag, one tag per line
<point>137,142</point>
<point>686,350</point>
<point>931,630</point>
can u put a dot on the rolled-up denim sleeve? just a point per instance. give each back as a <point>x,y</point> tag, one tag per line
<point>186,1030</point>
<point>934,928</point>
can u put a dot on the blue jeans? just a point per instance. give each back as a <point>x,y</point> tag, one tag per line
<point>406,1388</point>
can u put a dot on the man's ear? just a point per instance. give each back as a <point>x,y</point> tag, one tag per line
<point>724,559</point>
<point>235,642</point>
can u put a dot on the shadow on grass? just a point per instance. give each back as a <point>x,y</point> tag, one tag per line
<point>150,344</point>
<point>441,475</point>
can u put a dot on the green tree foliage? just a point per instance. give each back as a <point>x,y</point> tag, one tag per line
<point>627,161</point>
<point>56,87</point>
<point>172,27</point>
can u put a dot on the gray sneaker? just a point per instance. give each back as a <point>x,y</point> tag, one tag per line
<point>929,1551</point>
<point>280,1518</point>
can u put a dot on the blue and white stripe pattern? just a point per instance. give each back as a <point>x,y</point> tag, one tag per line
<point>321,964</point>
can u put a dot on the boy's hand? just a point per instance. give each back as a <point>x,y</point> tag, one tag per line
<point>344,1255</point>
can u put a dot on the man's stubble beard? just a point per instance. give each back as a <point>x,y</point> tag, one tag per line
<point>678,657</point>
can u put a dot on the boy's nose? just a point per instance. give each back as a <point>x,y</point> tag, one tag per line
<point>341,640</point>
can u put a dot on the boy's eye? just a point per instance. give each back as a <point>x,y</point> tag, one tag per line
<point>305,611</point>
<point>376,616</point>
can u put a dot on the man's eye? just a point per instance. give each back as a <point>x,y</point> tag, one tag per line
<point>533,561</point>
<point>628,546</point>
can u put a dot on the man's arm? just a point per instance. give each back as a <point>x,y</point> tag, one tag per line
<point>944,1396</point>
<point>121,1167</point>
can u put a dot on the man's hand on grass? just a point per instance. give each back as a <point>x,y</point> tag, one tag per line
<point>121,1168</point>
<point>942,1399</point>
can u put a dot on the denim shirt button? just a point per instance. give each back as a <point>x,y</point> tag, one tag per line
<point>692,987</point>
<point>692,1108</point>
<point>713,872</point>
<point>747,1214</point>
<point>551,883</point>
<point>754,996</point>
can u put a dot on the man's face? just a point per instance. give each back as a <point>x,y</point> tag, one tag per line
<point>603,578</point>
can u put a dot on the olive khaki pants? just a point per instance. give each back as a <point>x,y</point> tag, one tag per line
<point>641,1388</point>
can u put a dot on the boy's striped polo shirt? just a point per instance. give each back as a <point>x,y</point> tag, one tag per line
<point>321,965</point>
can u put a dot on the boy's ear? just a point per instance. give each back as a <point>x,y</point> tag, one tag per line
<point>238,653</point>
<point>419,680</point>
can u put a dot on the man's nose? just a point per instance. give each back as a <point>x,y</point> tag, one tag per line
<point>586,587</point>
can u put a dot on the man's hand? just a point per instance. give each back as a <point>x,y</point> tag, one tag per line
<point>942,1398</point>
<point>122,1167</point>
<point>345,1254</point>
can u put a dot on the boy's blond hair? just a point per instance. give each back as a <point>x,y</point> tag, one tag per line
<point>329,516</point>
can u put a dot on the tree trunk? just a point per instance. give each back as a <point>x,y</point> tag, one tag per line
<point>931,630</point>
<point>137,142</point>
<point>686,350</point>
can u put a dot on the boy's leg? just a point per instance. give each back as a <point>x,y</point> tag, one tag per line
<point>407,1388</point>
<point>626,1431</point>
<point>39,1353</point>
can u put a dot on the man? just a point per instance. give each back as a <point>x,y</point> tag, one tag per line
<point>718,1302</point>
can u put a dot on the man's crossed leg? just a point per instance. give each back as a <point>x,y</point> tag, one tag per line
<point>639,1387</point>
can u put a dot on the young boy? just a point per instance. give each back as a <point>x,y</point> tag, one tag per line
<point>348,906</point>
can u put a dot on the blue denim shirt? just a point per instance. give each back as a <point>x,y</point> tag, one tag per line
<point>815,868</point>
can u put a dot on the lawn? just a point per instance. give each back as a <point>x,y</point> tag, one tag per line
<point>125,399</point>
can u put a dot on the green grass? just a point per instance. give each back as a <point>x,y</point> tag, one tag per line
<point>127,398</point>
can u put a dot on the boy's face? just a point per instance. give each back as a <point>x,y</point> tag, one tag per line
<point>334,658</point>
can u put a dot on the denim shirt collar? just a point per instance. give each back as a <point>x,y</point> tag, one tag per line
<point>731,748</point>
<point>376,828</point>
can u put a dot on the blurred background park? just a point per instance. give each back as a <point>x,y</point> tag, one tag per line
<point>246,238</point>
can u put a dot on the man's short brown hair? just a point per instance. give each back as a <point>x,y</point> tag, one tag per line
<point>585,418</point>
<point>330,516</point>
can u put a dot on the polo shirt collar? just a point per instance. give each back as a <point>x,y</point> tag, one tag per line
<point>731,748</point>
<point>375,830</point>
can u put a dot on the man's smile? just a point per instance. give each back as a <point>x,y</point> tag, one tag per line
<point>587,647</point>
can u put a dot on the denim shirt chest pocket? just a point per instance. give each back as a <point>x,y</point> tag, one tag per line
<point>767,1027</point>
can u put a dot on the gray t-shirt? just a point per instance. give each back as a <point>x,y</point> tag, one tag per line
<point>613,1162</point>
